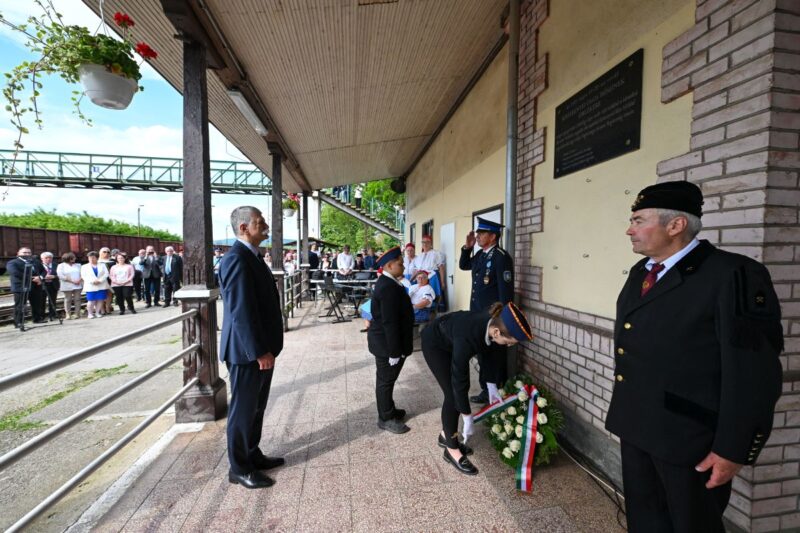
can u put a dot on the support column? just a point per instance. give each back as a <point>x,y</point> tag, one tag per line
<point>276,224</point>
<point>208,401</point>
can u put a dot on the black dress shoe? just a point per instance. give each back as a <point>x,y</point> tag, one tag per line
<point>483,397</point>
<point>463,448</point>
<point>147,306</point>
<point>267,463</point>
<point>463,465</point>
<point>253,480</point>
<point>394,426</point>
<point>399,414</point>
<point>133,311</point>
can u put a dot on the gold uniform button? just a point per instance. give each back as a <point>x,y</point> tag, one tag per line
<point>620,351</point>
<point>620,378</point>
<point>627,325</point>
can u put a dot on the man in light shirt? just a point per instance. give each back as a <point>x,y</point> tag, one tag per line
<point>345,262</point>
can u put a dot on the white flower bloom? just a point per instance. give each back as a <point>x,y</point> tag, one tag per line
<point>508,428</point>
<point>522,396</point>
<point>501,393</point>
<point>539,438</point>
<point>511,411</point>
<point>542,418</point>
<point>502,416</point>
<point>519,384</point>
<point>507,453</point>
<point>496,429</point>
<point>541,402</point>
<point>520,419</point>
<point>518,432</point>
<point>515,445</point>
<point>502,436</point>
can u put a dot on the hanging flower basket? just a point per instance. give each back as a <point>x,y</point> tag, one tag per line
<point>105,88</point>
<point>288,213</point>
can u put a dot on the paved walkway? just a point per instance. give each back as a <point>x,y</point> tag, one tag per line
<point>342,473</point>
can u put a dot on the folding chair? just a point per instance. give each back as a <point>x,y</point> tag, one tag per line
<point>334,296</point>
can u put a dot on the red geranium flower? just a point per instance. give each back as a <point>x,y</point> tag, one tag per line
<point>123,20</point>
<point>145,51</point>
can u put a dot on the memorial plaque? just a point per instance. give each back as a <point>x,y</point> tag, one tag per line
<point>603,120</point>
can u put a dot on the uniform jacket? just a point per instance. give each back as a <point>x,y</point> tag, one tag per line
<point>176,268</point>
<point>151,267</point>
<point>492,276</point>
<point>253,321</point>
<point>462,334</point>
<point>697,365</point>
<point>391,331</point>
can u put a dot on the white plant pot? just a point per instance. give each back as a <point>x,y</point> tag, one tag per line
<point>105,88</point>
<point>288,213</point>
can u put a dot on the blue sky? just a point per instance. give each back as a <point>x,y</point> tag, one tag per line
<point>150,126</point>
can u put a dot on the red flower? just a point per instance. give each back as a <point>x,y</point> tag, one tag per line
<point>145,51</point>
<point>123,20</point>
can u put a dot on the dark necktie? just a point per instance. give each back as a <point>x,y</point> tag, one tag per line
<point>651,278</point>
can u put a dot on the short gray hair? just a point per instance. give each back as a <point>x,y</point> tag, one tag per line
<point>46,254</point>
<point>242,215</point>
<point>693,226</point>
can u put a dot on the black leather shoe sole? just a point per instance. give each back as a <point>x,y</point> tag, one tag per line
<point>463,448</point>
<point>464,465</point>
<point>393,426</point>
<point>254,480</point>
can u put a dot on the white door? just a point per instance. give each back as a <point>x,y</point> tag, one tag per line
<point>447,244</point>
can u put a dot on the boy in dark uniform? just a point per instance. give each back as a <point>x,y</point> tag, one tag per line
<point>390,337</point>
<point>697,339</point>
<point>492,281</point>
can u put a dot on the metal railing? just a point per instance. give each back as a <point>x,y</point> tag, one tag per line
<point>36,442</point>
<point>292,288</point>
<point>390,214</point>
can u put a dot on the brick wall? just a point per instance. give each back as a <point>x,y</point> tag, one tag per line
<point>741,63</point>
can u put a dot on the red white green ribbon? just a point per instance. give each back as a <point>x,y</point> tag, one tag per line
<point>524,473</point>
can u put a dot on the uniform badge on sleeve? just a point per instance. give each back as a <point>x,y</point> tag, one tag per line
<point>507,276</point>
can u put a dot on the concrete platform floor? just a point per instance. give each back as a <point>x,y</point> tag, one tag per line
<point>342,472</point>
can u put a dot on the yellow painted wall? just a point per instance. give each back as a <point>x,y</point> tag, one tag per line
<point>583,250</point>
<point>464,170</point>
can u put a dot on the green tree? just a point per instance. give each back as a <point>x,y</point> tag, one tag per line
<point>81,223</point>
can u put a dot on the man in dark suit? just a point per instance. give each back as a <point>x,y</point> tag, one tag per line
<point>252,337</point>
<point>313,257</point>
<point>697,339</point>
<point>390,337</point>
<point>151,275</point>
<point>26,282</point>
<point>172,265</point>
<point>492,281</point>
<point>50,283</point>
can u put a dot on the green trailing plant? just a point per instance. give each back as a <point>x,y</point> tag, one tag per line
<point>292,201</point>
<point>61,49</point>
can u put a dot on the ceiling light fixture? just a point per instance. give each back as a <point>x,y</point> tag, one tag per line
<point>244,107</point>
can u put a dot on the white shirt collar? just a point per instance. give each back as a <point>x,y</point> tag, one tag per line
<point>489,249</point>
<point>487,338</point>
<point>249,246</point>
<point>384,273</point>
<point>672,260</point>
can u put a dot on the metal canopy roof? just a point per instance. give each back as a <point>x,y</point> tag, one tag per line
<point>355,88</point>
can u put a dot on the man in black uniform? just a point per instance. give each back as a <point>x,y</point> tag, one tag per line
<point>25,280</point>
<point>697,339</point>
<point>492,281</point>
<point>390,337</point>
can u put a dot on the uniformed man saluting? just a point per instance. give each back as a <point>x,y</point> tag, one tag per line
<point>697,339</point>
<point>492,281</point>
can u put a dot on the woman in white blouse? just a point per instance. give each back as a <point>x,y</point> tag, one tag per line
<point>69,274</point>
<point>95,285</point>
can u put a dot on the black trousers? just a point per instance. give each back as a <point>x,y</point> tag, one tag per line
<point>661,497</point>
<point>439,361</point>
<point>137,284</point>
<point>170,286</point>
<point>152,289</point>
<point>249,395</point>
<point>124,295</point>
<point>49,294</point>
<point>493,366</point>
<point>385,377</point>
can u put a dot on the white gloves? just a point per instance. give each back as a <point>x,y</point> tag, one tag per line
<point>491,388</point>
<point>393,361</point>
<point>469,427</point>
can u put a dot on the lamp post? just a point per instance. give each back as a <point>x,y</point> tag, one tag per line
<point>139,220</point>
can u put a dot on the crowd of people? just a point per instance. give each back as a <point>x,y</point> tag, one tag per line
<point>107,279</point>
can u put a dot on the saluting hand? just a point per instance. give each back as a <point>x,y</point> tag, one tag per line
<point>722,471</point>
<point>266,361</point>
<point>470,239</point>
